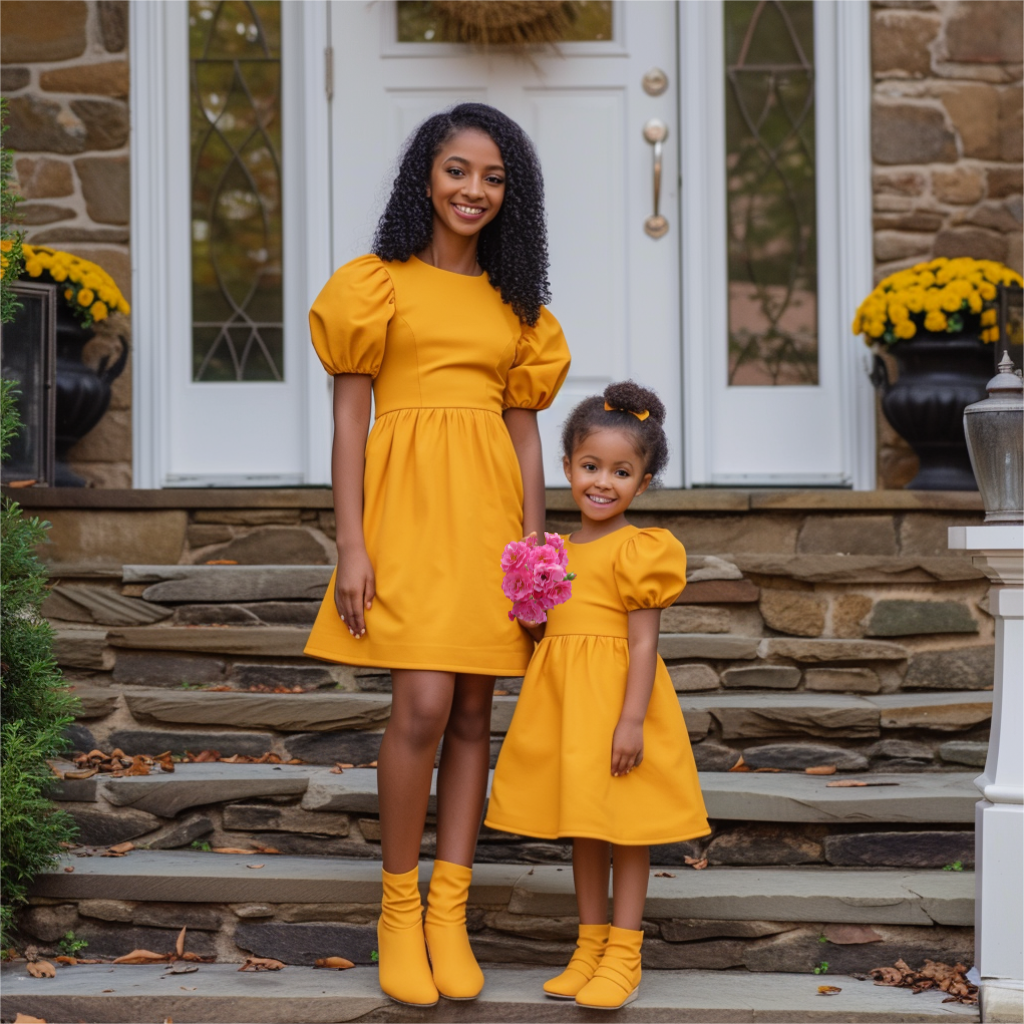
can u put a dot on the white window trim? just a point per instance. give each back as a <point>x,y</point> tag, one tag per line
<point>160,248</point>
<point>843,103</point>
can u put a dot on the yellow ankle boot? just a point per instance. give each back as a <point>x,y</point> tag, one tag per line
<point>402,953</point>
<point>457,975</point>
<point>589,949</point>
<point>617,978</point>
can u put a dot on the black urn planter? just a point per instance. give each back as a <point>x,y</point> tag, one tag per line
<point>939,376</point>
<point>83,394</point>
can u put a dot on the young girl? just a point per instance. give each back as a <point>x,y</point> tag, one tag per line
<point>446,321</point>
<point>597,749</point>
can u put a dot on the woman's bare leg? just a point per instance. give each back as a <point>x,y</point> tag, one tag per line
<point>629,885</point>
<point>462,775</point>
<point>591,862</point>
<point>420,706</point>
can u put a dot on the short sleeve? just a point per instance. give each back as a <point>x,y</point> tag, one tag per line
<point>349,319</point>
<point>539,367</point>
<point>650,570</point>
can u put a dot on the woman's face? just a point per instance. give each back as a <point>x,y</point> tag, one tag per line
<point>467,183</point>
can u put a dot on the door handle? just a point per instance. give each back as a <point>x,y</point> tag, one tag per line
<point>656,132</point>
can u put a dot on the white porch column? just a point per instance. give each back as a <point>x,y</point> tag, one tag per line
<point>999,816</point>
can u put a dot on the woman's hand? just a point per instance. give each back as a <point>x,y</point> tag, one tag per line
<point>627,747</point>
<point>354,589</point>
<point>535,629</point>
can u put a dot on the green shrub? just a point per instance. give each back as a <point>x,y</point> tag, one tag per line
<point>35,705</point>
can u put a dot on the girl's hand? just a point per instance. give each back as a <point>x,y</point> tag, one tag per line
<point>354,589</point>
<point>627,747</point>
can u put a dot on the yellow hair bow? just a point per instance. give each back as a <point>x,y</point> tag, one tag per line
<point>641,416</point>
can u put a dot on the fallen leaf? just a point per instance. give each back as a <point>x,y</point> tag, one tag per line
<point>24,1018</point>
<point>740,766</point>
<point>110,990</point>
<point>664,874</point>
<point>70,868</point>
<point>337,771</point>
<point>845,783</point>
<point>42,969</point>
<point>260,963</point>
<point>167,1020</point>
<point>142,956</point>
<point>221,561</point>
<point>697,863</point>
<point>121,847</point>
<point>850,934</point>
<point>335,963</point>
<point>828,990</point>
<point>179,945</point>
<point>501,693</point>
<point>20,483</point>
<point>775,770</point>
<point>343,764</point>
<point>197,959</point>
<point>886,975</point>
<point>233,849</point>
<point>181,967</point>
<point>88,773</point>
<point>254,866</point>
<point>821,769</point>
<point>187,988</point>
<point>260,848</point>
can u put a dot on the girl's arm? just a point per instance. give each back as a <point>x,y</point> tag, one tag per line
<point>628,739</point>
<point>522,428</point>
<point>354,587</point>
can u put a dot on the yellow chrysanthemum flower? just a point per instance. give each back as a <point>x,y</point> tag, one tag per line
<point>988,318</point>
<point>98,311</point>
<point>86,297</point>
<point>906,329</point>
<point>935,321</point>
<point>33,268</point>
<point>950,301</point>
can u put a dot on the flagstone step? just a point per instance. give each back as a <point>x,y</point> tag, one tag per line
<point>219,994</point>
<point>740,714</point>
<point>838,895</point>
<point>910,798</point>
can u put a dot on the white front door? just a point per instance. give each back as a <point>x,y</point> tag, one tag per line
<point>615,287</point>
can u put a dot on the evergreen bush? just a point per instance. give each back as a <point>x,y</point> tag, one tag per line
<point>35,705</point>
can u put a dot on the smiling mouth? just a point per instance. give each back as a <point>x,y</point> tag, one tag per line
<point>468,212</point>
<point>597,499</point>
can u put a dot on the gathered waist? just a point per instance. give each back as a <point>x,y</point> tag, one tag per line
<point>595,636</point>
<point>381,413</point>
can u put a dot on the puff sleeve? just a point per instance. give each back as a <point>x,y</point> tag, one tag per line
<point>349,319</point>
<point>650,570</point>
<point>539,367</point>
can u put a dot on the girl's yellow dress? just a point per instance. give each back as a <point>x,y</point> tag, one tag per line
<point>553,776</point>
<point>442,489</point>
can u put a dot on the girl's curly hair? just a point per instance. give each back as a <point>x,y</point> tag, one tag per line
<point>626,400</point>
<point>513,248</point>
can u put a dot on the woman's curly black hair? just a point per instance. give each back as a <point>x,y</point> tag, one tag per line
<point>513,248</point>
<point>626,399</point>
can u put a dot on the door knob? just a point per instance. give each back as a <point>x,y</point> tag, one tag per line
<point>656,132</point>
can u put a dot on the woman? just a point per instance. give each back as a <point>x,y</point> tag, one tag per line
<point>445,321</point>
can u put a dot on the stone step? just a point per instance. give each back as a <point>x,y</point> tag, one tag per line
<point>219,994</point>
<point>739,714</point>
<point>804,894</point>
<point>912,798</point>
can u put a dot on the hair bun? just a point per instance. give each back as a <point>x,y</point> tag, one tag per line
<point>631,397</point>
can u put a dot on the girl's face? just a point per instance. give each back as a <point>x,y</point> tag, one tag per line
<point>467,183</point>
<point>605,473</point>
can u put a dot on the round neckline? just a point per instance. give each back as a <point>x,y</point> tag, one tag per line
<point>450,273</point>
<point>587,543</point>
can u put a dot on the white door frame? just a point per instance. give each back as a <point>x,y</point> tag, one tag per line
<point>843,103</point>
<point>160,250</point>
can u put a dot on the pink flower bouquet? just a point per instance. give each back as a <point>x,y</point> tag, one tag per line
<point>535,577</point>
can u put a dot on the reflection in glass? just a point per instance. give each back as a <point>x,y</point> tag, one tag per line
<point>237,299</point>
<point>772,245</point>
<point>419,22</point>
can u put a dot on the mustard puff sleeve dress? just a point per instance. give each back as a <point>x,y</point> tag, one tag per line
<point>442,489</point>
<point>553,777</point>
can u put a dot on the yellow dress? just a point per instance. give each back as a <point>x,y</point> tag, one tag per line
<point>443,493</point>
<point>553,776</point>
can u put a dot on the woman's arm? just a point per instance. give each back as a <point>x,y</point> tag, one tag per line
<point>522,428</point>
<point>354,587</point>
<point>628,739</point>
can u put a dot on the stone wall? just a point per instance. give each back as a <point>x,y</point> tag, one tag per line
<point>946,146</point>
<point>65,75</point>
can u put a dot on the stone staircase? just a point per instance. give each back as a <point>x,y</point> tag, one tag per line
<point>877,664</point>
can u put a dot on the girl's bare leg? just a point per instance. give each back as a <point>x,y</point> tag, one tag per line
<point>462,775</point>
<point>591,862</point>
<point>420,706</point>
<point>629,885</point>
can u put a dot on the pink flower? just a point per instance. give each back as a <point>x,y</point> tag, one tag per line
<point>557,593</point>
<point>528,611</point>
<point>515,555</point>
<point>535,577</point>
<point>518,583</point>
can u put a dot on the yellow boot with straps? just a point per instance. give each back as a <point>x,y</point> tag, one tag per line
<point>590,946</point>
<point>616,981</point>
<point>457,975</point>
<point>401,949</point>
